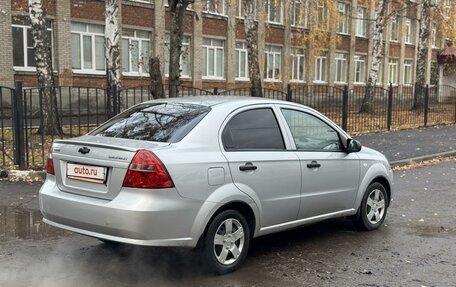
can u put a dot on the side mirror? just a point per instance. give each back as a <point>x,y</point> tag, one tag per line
<point>353,146</point>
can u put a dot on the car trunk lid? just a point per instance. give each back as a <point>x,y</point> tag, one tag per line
<point>95,166</point>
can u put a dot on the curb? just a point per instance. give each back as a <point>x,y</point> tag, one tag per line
<point>422,158</point>
<point>40,176</point>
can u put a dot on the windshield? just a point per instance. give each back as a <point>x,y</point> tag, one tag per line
<point>162,122</point>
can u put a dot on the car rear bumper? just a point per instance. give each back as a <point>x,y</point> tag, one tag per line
<point>140,217</point>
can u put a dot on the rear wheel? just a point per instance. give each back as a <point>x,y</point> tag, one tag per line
<point>226,242</point>
<point>374,205</point>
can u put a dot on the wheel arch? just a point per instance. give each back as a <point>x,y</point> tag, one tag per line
<point>385,182</point>
<point>244,208</point>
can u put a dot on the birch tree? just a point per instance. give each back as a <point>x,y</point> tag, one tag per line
<point>112,51</point>
<point>423,52</point>
<point>381,10</point>
<point>251,32</point>
<point>50,122</point>
<point>177,10</point>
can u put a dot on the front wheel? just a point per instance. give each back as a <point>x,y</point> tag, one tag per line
<point>226,242</point>
<point>374,205</point>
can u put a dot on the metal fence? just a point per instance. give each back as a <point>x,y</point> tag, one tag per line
<point>81,109</point>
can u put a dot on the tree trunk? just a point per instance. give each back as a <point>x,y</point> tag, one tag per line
<point>50,121</point>
<point>156,80</point>
<point>377,49</point>
<point>251,31</point>
<point>177,9</point>
<point>422,58</point>
<point>112,50</point>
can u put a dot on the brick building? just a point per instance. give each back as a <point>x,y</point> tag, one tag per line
<point>214,49</point>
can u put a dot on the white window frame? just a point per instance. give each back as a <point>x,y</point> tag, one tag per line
<point>25,29</point>
<point>142,68</point>
<point>186,47</point>
<point>212,7</point>
<point>321,69</point>
<point>93,36</point>
<point>268,11</point>
<point>393,71</point>
<point>240,65</point>
<point>342,18</point>
<point>360,69</point>
<point>303,12</point>
<point>298,58</point>
<point>215,48</point>
<point>322,15</point>
<point>272,51</point>
<point>341,59</point>
<point>408,65</point>
<point>408,31</point>
<point>361,24</point>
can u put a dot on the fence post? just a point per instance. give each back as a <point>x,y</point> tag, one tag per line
<point>345,109</point>
<point>389,121</point>
<point>426,106</point>
<point>19,127</point>
<point>289,97</point>
<point>215,91</point>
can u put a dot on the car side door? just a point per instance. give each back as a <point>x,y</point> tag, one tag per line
<point>252,141</point>
<point>330,176</point>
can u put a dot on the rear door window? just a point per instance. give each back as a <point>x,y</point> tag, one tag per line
<point>253,130</point>
<point>158,122</point>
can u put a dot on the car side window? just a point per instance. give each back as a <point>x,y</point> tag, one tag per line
<point>310,132</point>
<point>255,129</point>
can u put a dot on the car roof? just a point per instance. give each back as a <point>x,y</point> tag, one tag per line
<point>212,101</point>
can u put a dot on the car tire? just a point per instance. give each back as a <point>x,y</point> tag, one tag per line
<point>372,211</point>
<point>226,242</point>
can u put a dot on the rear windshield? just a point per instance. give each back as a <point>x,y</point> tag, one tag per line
<point>163,122</point>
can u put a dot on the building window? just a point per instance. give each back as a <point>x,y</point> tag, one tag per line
<point>242,63</point>
<point>87,47</point>
<point>394,29</point>
<point>298,65</point>
<point>275,11</point>
<point>273,66</point>
<point>360,69</point>
<point>447,9</point>
<point>361,22</point>
<point>215,7</point>
<point>433,35</point>
<point>342,17</point>
<point>321,67</point>
<point>408,72</point>
<point>393,71</point>
<point>322,16</point>
<point>23,52</point>
<point>299,17</point>
<point>341,68</point>
<point>408,31</point>
<point>135,51</point>
<point>241,7</point>
<point>213,58</point>
<point>185,57</point>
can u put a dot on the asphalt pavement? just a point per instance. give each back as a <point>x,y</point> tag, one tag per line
<point>413,143</point>
<point>415,247</point>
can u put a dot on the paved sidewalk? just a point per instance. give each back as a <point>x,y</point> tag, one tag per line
<point>406,144</point>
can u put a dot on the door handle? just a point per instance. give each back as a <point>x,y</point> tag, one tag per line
<point>247,167</point>
<point>313,164</point>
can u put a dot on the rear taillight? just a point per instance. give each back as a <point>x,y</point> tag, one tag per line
<point>147,171</point>
<point>50,163</point>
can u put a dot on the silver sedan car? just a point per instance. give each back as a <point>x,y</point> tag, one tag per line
<point>212,173</point>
